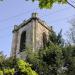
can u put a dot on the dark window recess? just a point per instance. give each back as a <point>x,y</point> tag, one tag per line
<point>44,39</point>
<point>23,41</point>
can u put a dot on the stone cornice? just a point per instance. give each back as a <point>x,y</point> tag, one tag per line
<point>29,20</point>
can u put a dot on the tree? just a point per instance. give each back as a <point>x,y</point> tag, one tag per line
<point>55,38</point>
<point>69,59</point>
<point>47,60</point>
<point>2,59</point>
<point>72,33</point>
<point>52,55</point>
<point>1,72</point>
<point>21,68</point>
<point>24,68</point>
<point>49,3</point>
<point>9,62</point>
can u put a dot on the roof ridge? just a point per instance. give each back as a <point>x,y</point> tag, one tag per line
<point>34,16</point>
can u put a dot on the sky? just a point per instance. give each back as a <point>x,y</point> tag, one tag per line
<point>14,12</point>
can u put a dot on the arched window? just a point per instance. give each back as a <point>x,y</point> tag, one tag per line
<point>23,41</point>
<point>44,39</point>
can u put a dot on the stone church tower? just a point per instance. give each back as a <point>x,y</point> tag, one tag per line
<point>30,34</point>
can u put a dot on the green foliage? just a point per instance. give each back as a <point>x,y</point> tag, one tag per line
<point>8,62</point>
<point>25,68</point>
<point>53,60</point>
<point>47,60</point>
<point>71,33</point>
<point>52,55</point>
<point>1,72</point>
<point>32,56</point>
<point>9,71</point>
<point>55,38</point>
<point>2,59</point>
<point>49,3</point>
<point>69,59</point>
<point>22,67</point>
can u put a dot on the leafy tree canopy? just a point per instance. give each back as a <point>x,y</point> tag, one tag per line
<point>24,68</point>
<point>49,3</point>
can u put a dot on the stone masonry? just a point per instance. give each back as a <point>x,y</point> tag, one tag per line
<point>34,28</point>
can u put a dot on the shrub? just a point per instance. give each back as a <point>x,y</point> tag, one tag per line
<point>9,71</point>
<point>1,72</point>
<point>25,68</point>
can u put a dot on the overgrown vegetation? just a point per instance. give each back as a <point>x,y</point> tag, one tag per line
<point>49,3</point>
<point>56,58</point>
<point>21,67</point>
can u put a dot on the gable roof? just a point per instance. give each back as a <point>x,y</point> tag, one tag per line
<point>34,17</point>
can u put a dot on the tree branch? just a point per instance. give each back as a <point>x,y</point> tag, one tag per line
<point>71,4</point>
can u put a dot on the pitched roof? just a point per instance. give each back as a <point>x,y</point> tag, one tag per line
<point>34,17</point>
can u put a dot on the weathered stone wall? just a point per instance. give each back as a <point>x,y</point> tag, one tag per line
<point>34,28</point>
<point>39,34</point>
<point>14,43</point>
<point>29,37</point>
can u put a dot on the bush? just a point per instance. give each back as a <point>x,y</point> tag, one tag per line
<point>1,72</point>
<point>9,71</point>
<point>24,68</point>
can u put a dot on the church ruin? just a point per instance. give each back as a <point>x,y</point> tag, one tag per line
<point>30,34</point>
